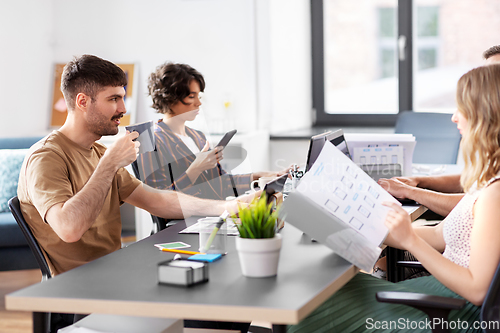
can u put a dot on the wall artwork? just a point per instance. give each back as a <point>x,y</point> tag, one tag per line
<point>59,110</point>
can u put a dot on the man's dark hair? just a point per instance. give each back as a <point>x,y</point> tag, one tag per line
<point>89,74</point>
<point>169,84</point>
<point>494,50</point>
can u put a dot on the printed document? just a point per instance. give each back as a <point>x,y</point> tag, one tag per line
<point>339,205</point>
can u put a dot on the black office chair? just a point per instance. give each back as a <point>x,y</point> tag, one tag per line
<point>15,209</point>
<point>438,138</point>
<point>440,307</point>
<point>40,319</point>
<point>159,223</point>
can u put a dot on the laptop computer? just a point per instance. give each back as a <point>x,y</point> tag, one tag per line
<point>337,138</point>
<point>318,141</point>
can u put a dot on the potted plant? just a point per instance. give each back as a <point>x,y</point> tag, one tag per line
<point>258,244</point>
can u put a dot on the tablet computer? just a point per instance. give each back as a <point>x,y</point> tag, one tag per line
<point>226,138</point>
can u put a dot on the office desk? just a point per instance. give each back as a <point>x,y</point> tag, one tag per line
<point>125,282</point>
<point>415,211</point>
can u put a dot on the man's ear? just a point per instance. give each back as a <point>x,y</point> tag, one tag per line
<point>82,101</point>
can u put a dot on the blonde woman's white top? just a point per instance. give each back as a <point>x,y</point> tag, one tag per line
<point>457,228</point>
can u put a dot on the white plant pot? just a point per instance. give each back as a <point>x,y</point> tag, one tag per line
<point>259,257</point>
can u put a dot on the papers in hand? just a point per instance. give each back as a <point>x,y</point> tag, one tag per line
<point>339,205</point>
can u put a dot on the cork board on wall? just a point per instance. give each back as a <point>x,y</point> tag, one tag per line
<point>59,109</point>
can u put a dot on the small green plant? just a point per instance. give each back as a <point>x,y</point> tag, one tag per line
<point>257,220</point>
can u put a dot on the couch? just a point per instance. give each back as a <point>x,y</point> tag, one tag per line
<point>15,253</point>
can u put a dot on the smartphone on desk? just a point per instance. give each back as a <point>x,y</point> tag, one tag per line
<point>226,138</point>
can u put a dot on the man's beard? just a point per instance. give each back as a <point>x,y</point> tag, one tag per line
<point>100,125</point>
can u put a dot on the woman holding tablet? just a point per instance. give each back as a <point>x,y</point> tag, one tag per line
<point>462,253</point>
<point>184,160</point>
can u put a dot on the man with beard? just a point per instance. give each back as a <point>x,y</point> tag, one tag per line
<point>71,187</point>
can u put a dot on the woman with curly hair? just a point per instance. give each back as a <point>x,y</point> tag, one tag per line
<point>462,253</point>
<point>183,160</point>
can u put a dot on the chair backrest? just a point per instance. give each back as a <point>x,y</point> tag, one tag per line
<point>159,223</point>
<point>490,311</point>
<point>438,138</point>
<point>15,209</point>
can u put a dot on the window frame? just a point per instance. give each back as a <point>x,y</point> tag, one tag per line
<point>405,72</point>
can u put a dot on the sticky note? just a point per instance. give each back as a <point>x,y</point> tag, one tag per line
<point>173,245</point>
<point>209,257</point>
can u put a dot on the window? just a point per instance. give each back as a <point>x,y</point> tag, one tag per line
<point>387,36</point>
<point>373,59</point>
<point>359,57</point>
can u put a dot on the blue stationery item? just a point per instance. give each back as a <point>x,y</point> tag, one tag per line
<point>208,257</point>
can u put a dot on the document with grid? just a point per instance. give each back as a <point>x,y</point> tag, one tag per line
<point>344,205</point>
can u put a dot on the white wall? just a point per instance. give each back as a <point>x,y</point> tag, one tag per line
<point>26,59</point>
<point>253,53</point>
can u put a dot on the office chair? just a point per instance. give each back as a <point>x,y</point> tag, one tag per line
<point>15,209</point>
<point>39,318</point>
<point>436,307</point>
<point>159,223</point>
<point>438,138</point>
<point>440,307</point>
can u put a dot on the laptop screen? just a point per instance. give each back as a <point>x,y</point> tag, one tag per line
<point>315,145</point>
<point>318,141</point>
<point>338,140</point>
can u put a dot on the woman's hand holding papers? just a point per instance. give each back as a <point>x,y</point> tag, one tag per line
<point>401,234</point>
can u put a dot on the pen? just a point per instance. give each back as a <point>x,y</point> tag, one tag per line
<point>210,239</point>
<point>181,251</point>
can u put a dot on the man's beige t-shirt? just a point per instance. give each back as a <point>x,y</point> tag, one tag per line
<point>54,170</point>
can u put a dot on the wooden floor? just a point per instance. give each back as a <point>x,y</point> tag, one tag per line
<point>16,321</point>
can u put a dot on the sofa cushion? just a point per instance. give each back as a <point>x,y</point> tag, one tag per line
<point>10,233</point>
<point>10,165</point>
<point>18,143</point>
<point>14,258</point>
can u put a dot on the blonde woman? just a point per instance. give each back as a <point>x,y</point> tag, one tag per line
<point>462,253</point>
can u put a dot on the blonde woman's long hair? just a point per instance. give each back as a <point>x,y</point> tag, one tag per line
<point>478,100</point>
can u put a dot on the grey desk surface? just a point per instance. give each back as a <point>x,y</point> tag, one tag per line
<point>125,282</point>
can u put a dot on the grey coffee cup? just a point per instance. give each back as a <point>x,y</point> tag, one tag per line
<point>146,135</point>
